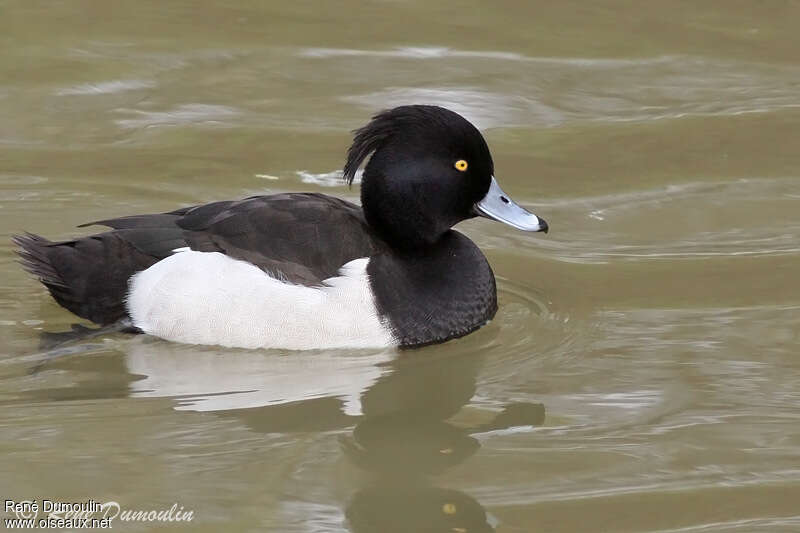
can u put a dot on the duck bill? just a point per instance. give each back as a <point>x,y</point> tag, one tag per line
<point>498,206</point>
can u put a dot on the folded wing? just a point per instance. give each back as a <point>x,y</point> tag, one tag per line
<point>301,238</point>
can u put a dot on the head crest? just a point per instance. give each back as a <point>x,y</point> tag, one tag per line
<point>366,140</point>
<point>388,123</point>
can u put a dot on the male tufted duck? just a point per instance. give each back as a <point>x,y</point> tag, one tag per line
<point>306,270</point>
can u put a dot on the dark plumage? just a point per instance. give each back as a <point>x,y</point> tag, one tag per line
<point>88,276</point>
<point>302,238</point>
<point>411,193</point>
<point>429,282</point>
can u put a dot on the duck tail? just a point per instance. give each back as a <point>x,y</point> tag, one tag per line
<point>72,276</point>
<point>38,258</point>
<point>88,275</point>
<point>35,259</point>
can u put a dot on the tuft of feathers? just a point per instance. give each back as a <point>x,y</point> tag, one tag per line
<point>34,259</point>
<point>408,120</point>
<point>366,140</point>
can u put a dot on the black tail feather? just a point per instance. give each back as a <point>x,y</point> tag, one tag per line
<point>88,276</point>
<point>34,259</point>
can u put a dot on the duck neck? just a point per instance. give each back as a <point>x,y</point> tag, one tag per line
<point>406,232</point>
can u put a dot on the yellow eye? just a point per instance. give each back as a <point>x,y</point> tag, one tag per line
<point>461,165</point>
<point>449,508</point>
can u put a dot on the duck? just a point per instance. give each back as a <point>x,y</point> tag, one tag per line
<point>303,270</point>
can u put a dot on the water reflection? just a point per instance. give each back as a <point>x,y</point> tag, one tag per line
<point>405,437</point>
<point>403,418</point>
<point>215,379</point>
<point>420,508</point>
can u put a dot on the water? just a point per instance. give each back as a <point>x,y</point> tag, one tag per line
<point>641,373</point>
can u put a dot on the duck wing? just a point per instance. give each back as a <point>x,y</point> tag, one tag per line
<point>302,238</point>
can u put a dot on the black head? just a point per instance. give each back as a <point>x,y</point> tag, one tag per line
<point>430,170</point>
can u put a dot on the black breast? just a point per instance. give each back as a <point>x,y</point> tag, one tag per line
<point>436,294</point>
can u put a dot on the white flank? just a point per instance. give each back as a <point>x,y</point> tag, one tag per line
<point>210,298</point>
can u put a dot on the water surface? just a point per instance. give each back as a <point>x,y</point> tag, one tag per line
<point>641,373</point>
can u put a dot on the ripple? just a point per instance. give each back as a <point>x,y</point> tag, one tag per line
<point>409,52</point>
<point>684,221</point>
<point>106,87</point>
<point>441,52</point>
<point>791,523</point>
<point>635,400</point>
<point>526,317</point>
<point>518,495</point>
<point>21,180</point>
<point>520,90</point>
<point>483,108</point>
<point>184,114</point>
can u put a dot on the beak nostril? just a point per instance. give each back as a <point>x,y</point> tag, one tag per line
<point>497,205</point>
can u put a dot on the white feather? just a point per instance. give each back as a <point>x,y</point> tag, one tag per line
<point>210,298</point>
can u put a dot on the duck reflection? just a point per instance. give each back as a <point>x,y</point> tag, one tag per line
<point>408,433</point>
<point>403,430</point>
<point>419,508</point>
<point>410,412</point>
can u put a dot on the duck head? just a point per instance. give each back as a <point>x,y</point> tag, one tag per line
<point>430,169</point>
